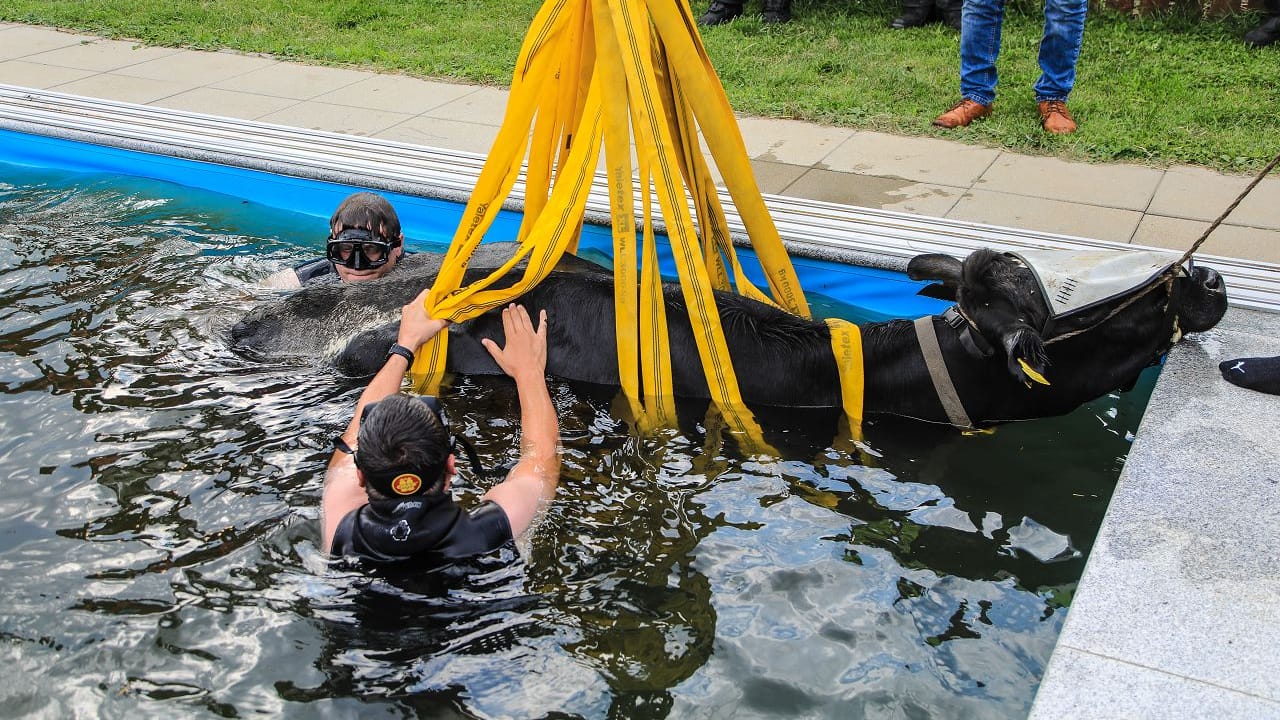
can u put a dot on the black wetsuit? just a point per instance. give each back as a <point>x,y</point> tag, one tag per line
<point>420,532</point>
<point>313,271</point>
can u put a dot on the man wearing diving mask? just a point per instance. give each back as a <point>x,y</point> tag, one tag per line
<point>365,243</point>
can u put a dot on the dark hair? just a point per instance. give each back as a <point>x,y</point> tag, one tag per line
<point>369,211</point>
<point>400,435</point>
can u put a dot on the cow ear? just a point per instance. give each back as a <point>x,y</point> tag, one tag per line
<point>935,266</point>
<point>1027,359</point>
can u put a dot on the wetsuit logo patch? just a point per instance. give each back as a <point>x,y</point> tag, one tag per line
<point>406,484</point>
<point>401,531</point>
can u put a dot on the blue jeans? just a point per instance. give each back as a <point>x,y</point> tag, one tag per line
<point>1059,48</point>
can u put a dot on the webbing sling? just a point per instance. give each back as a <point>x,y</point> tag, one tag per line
<point>927,334</point>
<point>593,72</point>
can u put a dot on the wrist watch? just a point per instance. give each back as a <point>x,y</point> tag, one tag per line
<point>402,351</point>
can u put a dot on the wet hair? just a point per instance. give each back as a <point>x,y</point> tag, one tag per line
<point>369,211</point>
<point>399,434</point>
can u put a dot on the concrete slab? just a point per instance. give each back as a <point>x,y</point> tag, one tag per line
<point>1261,209</point>
<point>125,88</point>
<point>927,160</point>
<point>291,80</point>
<point>27,40</point>
<point>101,55</point>
<point>1056,216</point>
<point>336,118</point>
<point>35,75</point>
<point>1200,194</point>
<point>1227,240</point>
<point>1081,685</point>
<point>397,93</point>
<point>788,141</point>
<point>1129,187</point>
<point>443,133</point>
<point>1195,193</point>
<point>485,106</point>
<point>206,67</point>
<point>246,106</point>
<point>773,177</point>
<point>875,192</point>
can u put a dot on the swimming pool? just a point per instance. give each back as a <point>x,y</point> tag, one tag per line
<point>159,515</point>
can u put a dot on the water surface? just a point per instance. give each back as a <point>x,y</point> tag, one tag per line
<point>159,503</point>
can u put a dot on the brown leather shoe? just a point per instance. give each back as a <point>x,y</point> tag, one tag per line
<point>962,113</point>
<point>1054,117</point>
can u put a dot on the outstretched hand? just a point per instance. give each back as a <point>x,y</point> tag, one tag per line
<point>525,353</point>
<point>416,326</point>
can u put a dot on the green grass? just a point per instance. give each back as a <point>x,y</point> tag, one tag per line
<point>1167,90</point>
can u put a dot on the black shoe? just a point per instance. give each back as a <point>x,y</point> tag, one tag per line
<point>914,14</point>
<point>950,12</point>
<point>1265,34</point>
<point>776,11</point>
<point>720,13</point>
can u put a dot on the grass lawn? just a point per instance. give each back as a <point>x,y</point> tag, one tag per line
<point>1168,90</point>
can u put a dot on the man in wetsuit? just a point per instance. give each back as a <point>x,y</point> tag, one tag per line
<point>365,242</point>
<point>386,493</point>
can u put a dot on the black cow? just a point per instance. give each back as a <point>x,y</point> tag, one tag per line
<point>783,360</point>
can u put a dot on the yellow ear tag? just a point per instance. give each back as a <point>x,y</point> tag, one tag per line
<point>1032,373</point>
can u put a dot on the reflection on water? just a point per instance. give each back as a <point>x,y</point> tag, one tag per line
<point>158,514</point>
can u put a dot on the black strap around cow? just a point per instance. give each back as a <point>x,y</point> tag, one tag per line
<point>972,340</point>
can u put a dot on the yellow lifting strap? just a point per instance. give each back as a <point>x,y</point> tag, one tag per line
<point>605,72</point>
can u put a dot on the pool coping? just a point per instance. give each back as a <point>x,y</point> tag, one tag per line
<point>1109,661</point>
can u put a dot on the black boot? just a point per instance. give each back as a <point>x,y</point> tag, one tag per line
<point>1269,30</point>
<point>720,13</point>
<point>777,11</point>
<point>949,11</point>
<point>914,14</point>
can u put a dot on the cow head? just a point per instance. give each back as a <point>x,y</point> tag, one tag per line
<point>1001,300</point>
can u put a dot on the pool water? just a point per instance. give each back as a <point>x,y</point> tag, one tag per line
<point>158,519</point>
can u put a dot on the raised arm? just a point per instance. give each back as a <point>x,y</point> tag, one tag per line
<point>342,490</point>
<point>533,481</point>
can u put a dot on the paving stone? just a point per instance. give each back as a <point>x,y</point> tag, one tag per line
<point>102,55</point>
<point>1201,194</point>
<point>875,192</point>
<point>1129,187</point>
<point>774,177</point>
<point>788,141</point>
<point>246,106</point>
<point>1055,216</point>
<point>397,93</point>
<point>291,80</point>
<point>485,106</point>
<point>20,42</point>
<point>1227,240</point>
<point>926,160</point>
<point>208,67</point>
<point>35,75</point>
<point>110,86</point>
<point>443,133</point>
